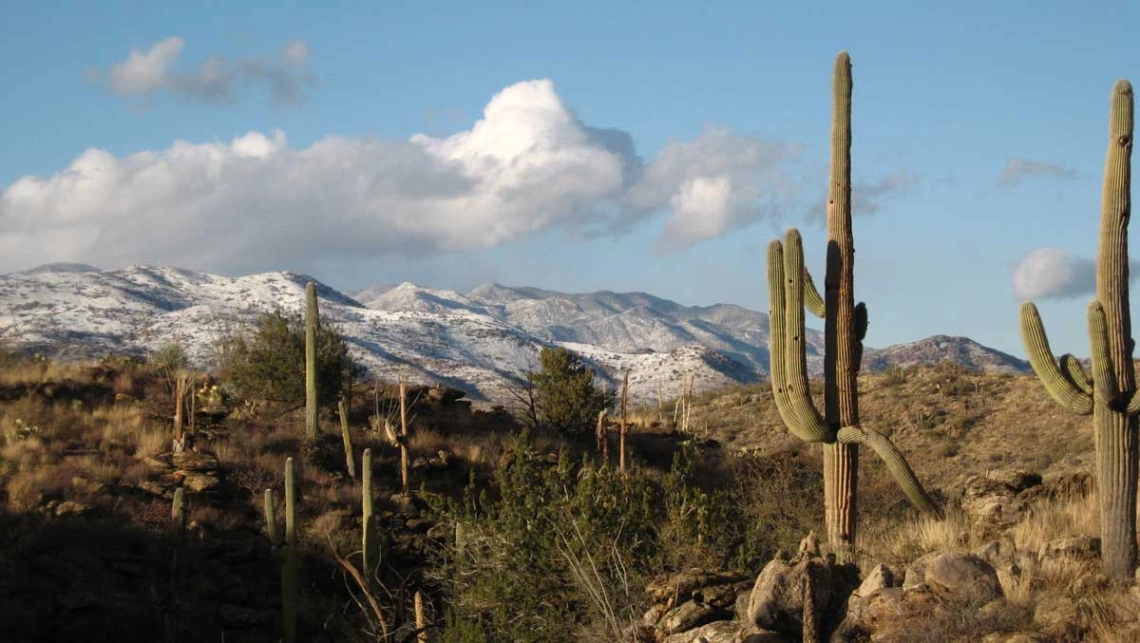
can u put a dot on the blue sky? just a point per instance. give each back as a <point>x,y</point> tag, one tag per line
<point>728,107</point>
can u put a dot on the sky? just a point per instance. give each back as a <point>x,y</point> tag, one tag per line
<point>573,146</point>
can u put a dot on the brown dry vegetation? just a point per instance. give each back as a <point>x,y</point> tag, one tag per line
<point>86,487</point>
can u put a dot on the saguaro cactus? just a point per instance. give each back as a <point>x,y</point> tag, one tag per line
<point>368,527</point>
<point>624,426</point>
<point>1111,396</point>
<point>311,322</point>
<point>845,324</point>
<point>289,582</point>
<point>346,437</point>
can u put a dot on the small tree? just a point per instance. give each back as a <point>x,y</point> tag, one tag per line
<point>268,363</point>
<point>564,395</point>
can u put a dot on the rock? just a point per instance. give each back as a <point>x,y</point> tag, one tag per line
<point>957,577</point>
<point>194,461</point>
<point>200,482</point>
<point>1081,547</point>
<point>880,577</point>
<point>71,508</point>
<point>686,616</point>
<point>1017,480</point>
<point>681,585</point>
<point>802,597</point>
<point>726,632</point>
<point>153,488</point>
<point>998,553</point>
<point>722,596</point>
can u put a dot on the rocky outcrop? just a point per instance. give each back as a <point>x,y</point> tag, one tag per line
<point>803,597</point>
<point>999,498</point>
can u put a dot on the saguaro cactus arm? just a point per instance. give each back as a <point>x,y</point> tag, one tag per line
<point>1067,392</point>
<point>1104,379</point>
<point>895,462</point>
<point>788,358</point>
<point>1072,369</point>
<point>812,299</point>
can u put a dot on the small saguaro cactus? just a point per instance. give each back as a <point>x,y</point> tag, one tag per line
<point>271,519</point>
<point>790,290</point>
<point>624,422</point>
<point>405,489</point>
<point>368,526</point>
<point>289,582</point>
<point>346,437</point>
<point>312,320</point>
<point>1111,395</point>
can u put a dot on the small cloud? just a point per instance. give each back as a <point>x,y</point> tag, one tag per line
<point>1051,273</point>
<point>1020,168</point>
<point>217,80</point>
<point>867,198</point>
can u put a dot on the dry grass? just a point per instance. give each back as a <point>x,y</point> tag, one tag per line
<point>899,543</point>
<point>1053,519</point>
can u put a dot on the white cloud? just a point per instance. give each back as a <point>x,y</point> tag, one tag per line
<point>528,165</point>
<point>1020,168</point>
<point>144,72</point>
<point>216,80</point>
<point>1051,273</point>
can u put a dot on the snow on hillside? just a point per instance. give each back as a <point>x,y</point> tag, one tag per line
<point>482,341</point>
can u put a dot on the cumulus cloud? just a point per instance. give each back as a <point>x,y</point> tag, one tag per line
<point>1051,273</point>
<point>1020,168</point>
<point>217,80</point>
<point>529,164</point>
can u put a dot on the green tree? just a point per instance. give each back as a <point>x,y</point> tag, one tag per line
<point>564,395</point>
<point>268,362</point>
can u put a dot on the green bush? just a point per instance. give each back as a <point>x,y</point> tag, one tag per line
<point>268,363</point>
<point>170,358</point>
<point>554,550</point>
<point>565,399</point>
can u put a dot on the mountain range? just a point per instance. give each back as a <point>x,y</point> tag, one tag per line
<point>482,341</point>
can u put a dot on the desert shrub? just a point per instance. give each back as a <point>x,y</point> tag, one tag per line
<point>554,548</point>
<point>565,399</point>
<point>268,362</point>
<point>170,358</point>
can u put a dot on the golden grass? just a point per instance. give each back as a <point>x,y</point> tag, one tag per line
<point>1054,519</point>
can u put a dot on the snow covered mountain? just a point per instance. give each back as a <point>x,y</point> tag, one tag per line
<point>482,341</point>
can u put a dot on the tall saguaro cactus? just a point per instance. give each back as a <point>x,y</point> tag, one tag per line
<point>311,322</point>
<point>1111,397</point>
<point>791,290</point>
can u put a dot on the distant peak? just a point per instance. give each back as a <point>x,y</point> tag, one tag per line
<point>60,266</point>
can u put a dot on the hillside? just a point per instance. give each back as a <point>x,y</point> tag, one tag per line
<point>481,341</point>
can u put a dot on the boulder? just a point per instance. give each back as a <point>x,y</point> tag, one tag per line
<point>802,597</point>
<point>957,578</point>
<point>686,616</point>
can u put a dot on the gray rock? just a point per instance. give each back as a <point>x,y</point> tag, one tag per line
<point>686,616</point>
<point>1081,547</point>
<point>955,577</point>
